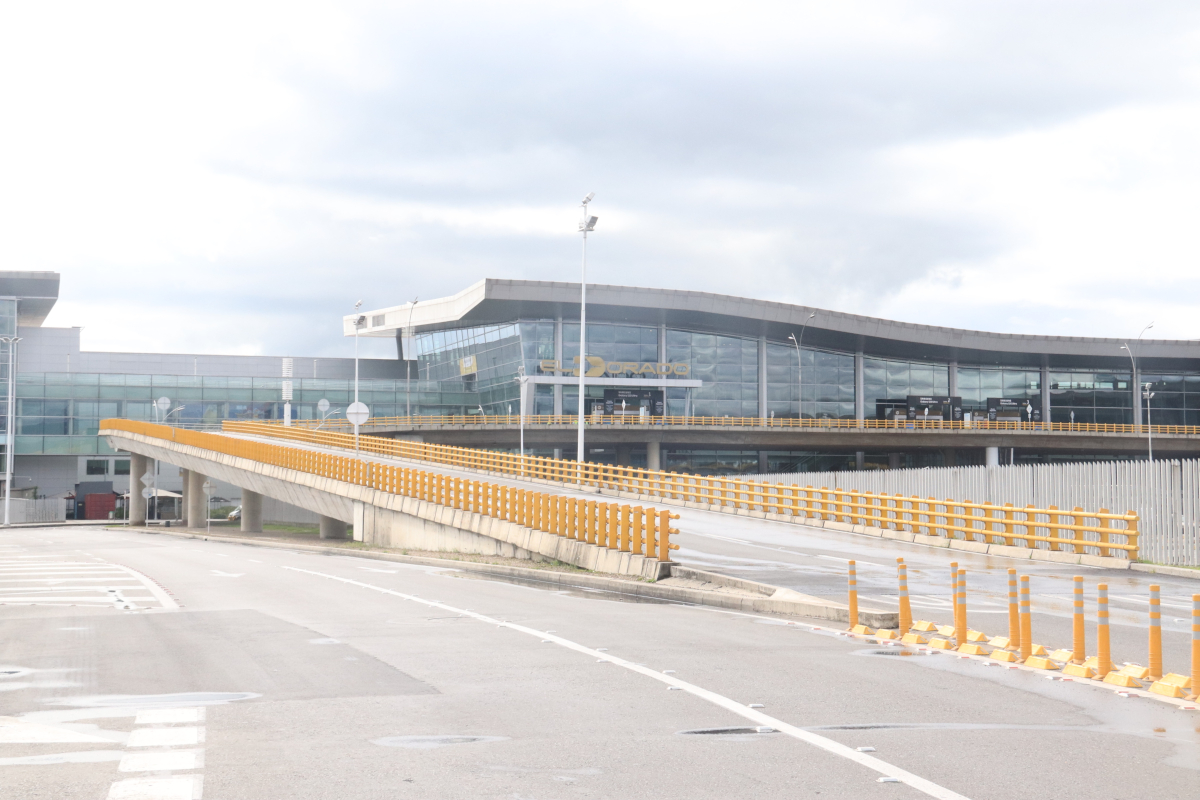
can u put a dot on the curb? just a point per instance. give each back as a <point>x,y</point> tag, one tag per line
<point>767,599</point>
<point>1159,569</point>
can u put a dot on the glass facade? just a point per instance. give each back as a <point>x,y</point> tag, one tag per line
<point>1176,399</point>
<point>729,368</point>
<point>887,379</point>
<point>977,384</point>
<point>1099,397</point>
<point>826,379</point>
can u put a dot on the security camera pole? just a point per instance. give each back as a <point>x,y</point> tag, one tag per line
<point>586,225</point>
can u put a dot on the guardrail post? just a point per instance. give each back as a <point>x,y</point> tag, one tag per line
<point>602,524</point>
<point>1104,663</point>
<point>591,522</point>
<point>625,528</point>
<point>636,530</point>
<point>1078,647</point>
<point>1131,539</point>
<point>614,526</point>
<point>1026,622</point>
<point>651,519</point>
<point>665,530</point>
<point>581,523</point>
<point>905,608</point>
<point>1105,525</point>
<point>1014,621</point>
<point>1155,634</point>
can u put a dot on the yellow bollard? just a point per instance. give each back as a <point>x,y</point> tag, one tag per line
<point>1155,634</point>
<point>1195,646</point>
<point>636,532</point>
<point>1078,654</point>
<point>1104,663</point>
<point>664,538</point>
<point>905,607</point>
<point>1014,620</point>
<point>1026,622</point>
<point>960,626</point>
<point>625,529</point>
<point>852,582</point>
<point>954,594</point>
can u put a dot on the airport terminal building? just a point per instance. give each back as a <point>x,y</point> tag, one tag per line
<point>650,352</point>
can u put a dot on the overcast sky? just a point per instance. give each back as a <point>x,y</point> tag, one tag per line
<point>230,178</point>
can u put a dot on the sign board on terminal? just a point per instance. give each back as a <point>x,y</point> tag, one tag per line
<point>597,367</point>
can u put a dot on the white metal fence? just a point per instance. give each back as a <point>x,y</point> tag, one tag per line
<point>1165,494</point>
<point>50,509</point>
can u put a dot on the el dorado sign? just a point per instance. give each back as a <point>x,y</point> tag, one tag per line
<point>597,367</point>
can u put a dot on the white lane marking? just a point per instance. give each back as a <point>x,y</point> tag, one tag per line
<point>169,716</point>
<point>79,757</point>
<point>165,737</point>
<point>162,762</point>
<point>14,730</point>
<point>47,599</point>
<point>220,574</point>
<point>829,745</point>
<point>372,569</point>
<point>175,787</point>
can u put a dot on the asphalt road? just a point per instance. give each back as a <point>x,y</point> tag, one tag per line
<point>814,561</point>
<point>223,671</point>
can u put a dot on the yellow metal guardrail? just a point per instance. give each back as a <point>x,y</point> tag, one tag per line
<point>636,530</point>
<point>781,423</point>
<point>1064,530</point>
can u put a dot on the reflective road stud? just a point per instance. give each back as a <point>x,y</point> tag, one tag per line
<point>905,608</point>
<point>1014,621</point>
<point>1077,644</point>
<point>1155,635</point>
<point>1103,653</point>
<point>1026,633</point>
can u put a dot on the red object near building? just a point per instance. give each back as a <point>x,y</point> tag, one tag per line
<point>98,506</point>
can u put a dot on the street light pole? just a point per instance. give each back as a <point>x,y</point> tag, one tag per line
<point>10,418</point>
<point>523,380</point>
<point>800,368</point>
<point>1135,381</point>
<point>1147,394</point>
<point>358,319</point>
<point>586,225</point>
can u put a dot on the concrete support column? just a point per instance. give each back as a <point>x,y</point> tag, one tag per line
<point>991,456</point>
<point>183,493</point>
<point>1137,397</point>
<point>251,512</point>
<point>197,510</point>
<point>1045,392</point>
<point>952,378</point>
<point>558,356</point>
<point>558,451</point>
<point>332,528</point>
<point>653,455</point>
<point>138,465</point>
<point>860,401</point>
<point>860,460</point>
<point>764,463</point>
<point>895,460</point>
<point>662,342</point>
<point>762,380</point>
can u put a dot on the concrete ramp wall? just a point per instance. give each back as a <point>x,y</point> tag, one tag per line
<point>389,520</point>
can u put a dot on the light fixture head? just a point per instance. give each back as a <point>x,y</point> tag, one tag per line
<point>358,305</point>
<point>588,225</point>
<point>589,197</point>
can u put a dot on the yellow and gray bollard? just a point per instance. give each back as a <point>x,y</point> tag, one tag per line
<point>1026,622</point>
<point>960,603</point>
<point>1078,645</point>
<point>1195,646</point>
<point>1155,634</point>
<point>1104,663</point>
<point>852,583</point>
<point>1014,619</point>
<point>906,621</point>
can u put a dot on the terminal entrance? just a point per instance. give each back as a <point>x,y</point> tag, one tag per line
<point>631,403</point>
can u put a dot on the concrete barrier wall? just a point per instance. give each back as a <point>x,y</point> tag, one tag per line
<point>389,520</point>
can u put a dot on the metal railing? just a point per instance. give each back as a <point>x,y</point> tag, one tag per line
<point>774,423</point>
<point>1070,530</point>
<point>636,530</point>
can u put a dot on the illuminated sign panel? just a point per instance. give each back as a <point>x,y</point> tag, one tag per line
<point>597,367</point>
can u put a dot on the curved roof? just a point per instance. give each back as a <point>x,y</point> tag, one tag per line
<point>496,301</point>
